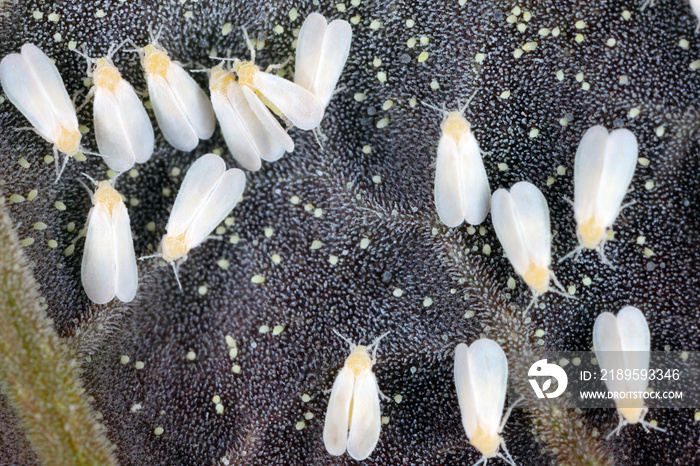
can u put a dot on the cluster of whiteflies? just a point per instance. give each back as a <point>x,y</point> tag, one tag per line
<point>603,171</point>
<point>353,421</point>
<point>246,101</point>
<point>249,105</point>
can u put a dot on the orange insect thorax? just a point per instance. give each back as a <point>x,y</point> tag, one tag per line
<point>220,79</point>
<point>174,247</point>
<point>359,360</point>
<point>455,125</point>
<point>68,140</point>
<point>590,233</point>
<point>486,442</point>
<point>106,75</point>
<point>106,195</point>
<point>246,72</point>
<point>537,278</point>
<point>155,60</point>
<point>632,409</point>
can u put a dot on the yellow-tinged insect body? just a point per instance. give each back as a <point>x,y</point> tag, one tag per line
<point>246,72</point>
<point>455,125</point>
<point>622,344</point>
<point>537,278</point>
<point>155,60</point>
<point>291,102</point>
<point>106,195</point>
<point>68,141</point>
<point>207,195</point>
<point>486,442</point>
<point>220,79</point>
<point>181,107</point>
<point>603,170</point>
<point>591,233</point>
<point>32,83</point>
<point>481,377</point>
<point>632,409</point>
<point>108,267</point>
<point>462,191</point>
<point>251,131</point>
<point>106,75</point>
<point>521,220</point>
<point>174,247</point>
<point>359,360</point>
<point>123,129</point>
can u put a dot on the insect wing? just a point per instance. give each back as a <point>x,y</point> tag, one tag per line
<point>110,133</point>
<point>171,117</point>
<point>488,372</point>
<point>98,269</point>
<point>505,222</point>
<point>235,119</point>
<point>272,139</point>
<point>137,124</point>
<point>476,193</point>
<point>532,213</point>
<point>335,429</point>
<point>365,423</point>
<point>635,342</point>
<point>127,277</point>
<point>294,102</point>
<point>334,54</point>
<point>26,93</point>
<point>194,192</point>
<point>618,169</point>
<point>194,102</point>
<point>223,198</point>
<point>588,169</point>
<point>448,188</point>
<point>608,350</point>
<point>309,49</point>
<point>52,84</point>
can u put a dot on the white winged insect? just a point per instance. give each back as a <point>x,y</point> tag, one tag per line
<point>521,220</point>
<point>123,130</point>
<point>322,50</point>
<point>603,170</point>
<point>32,83</point>
<point>207,195</point>
<point>354,405</point>
<point>182,109</point>
<point>462,189</point>
<point>622,343</point>
<point>285,98</point>
<point>109,265</point>
<point>481,378</point>
<point>251,132</point>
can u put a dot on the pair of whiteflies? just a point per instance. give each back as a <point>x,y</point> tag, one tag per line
<point>603,170</point>
<point>123,130</point>
<point>353,416</point>
<point>208,193</point>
